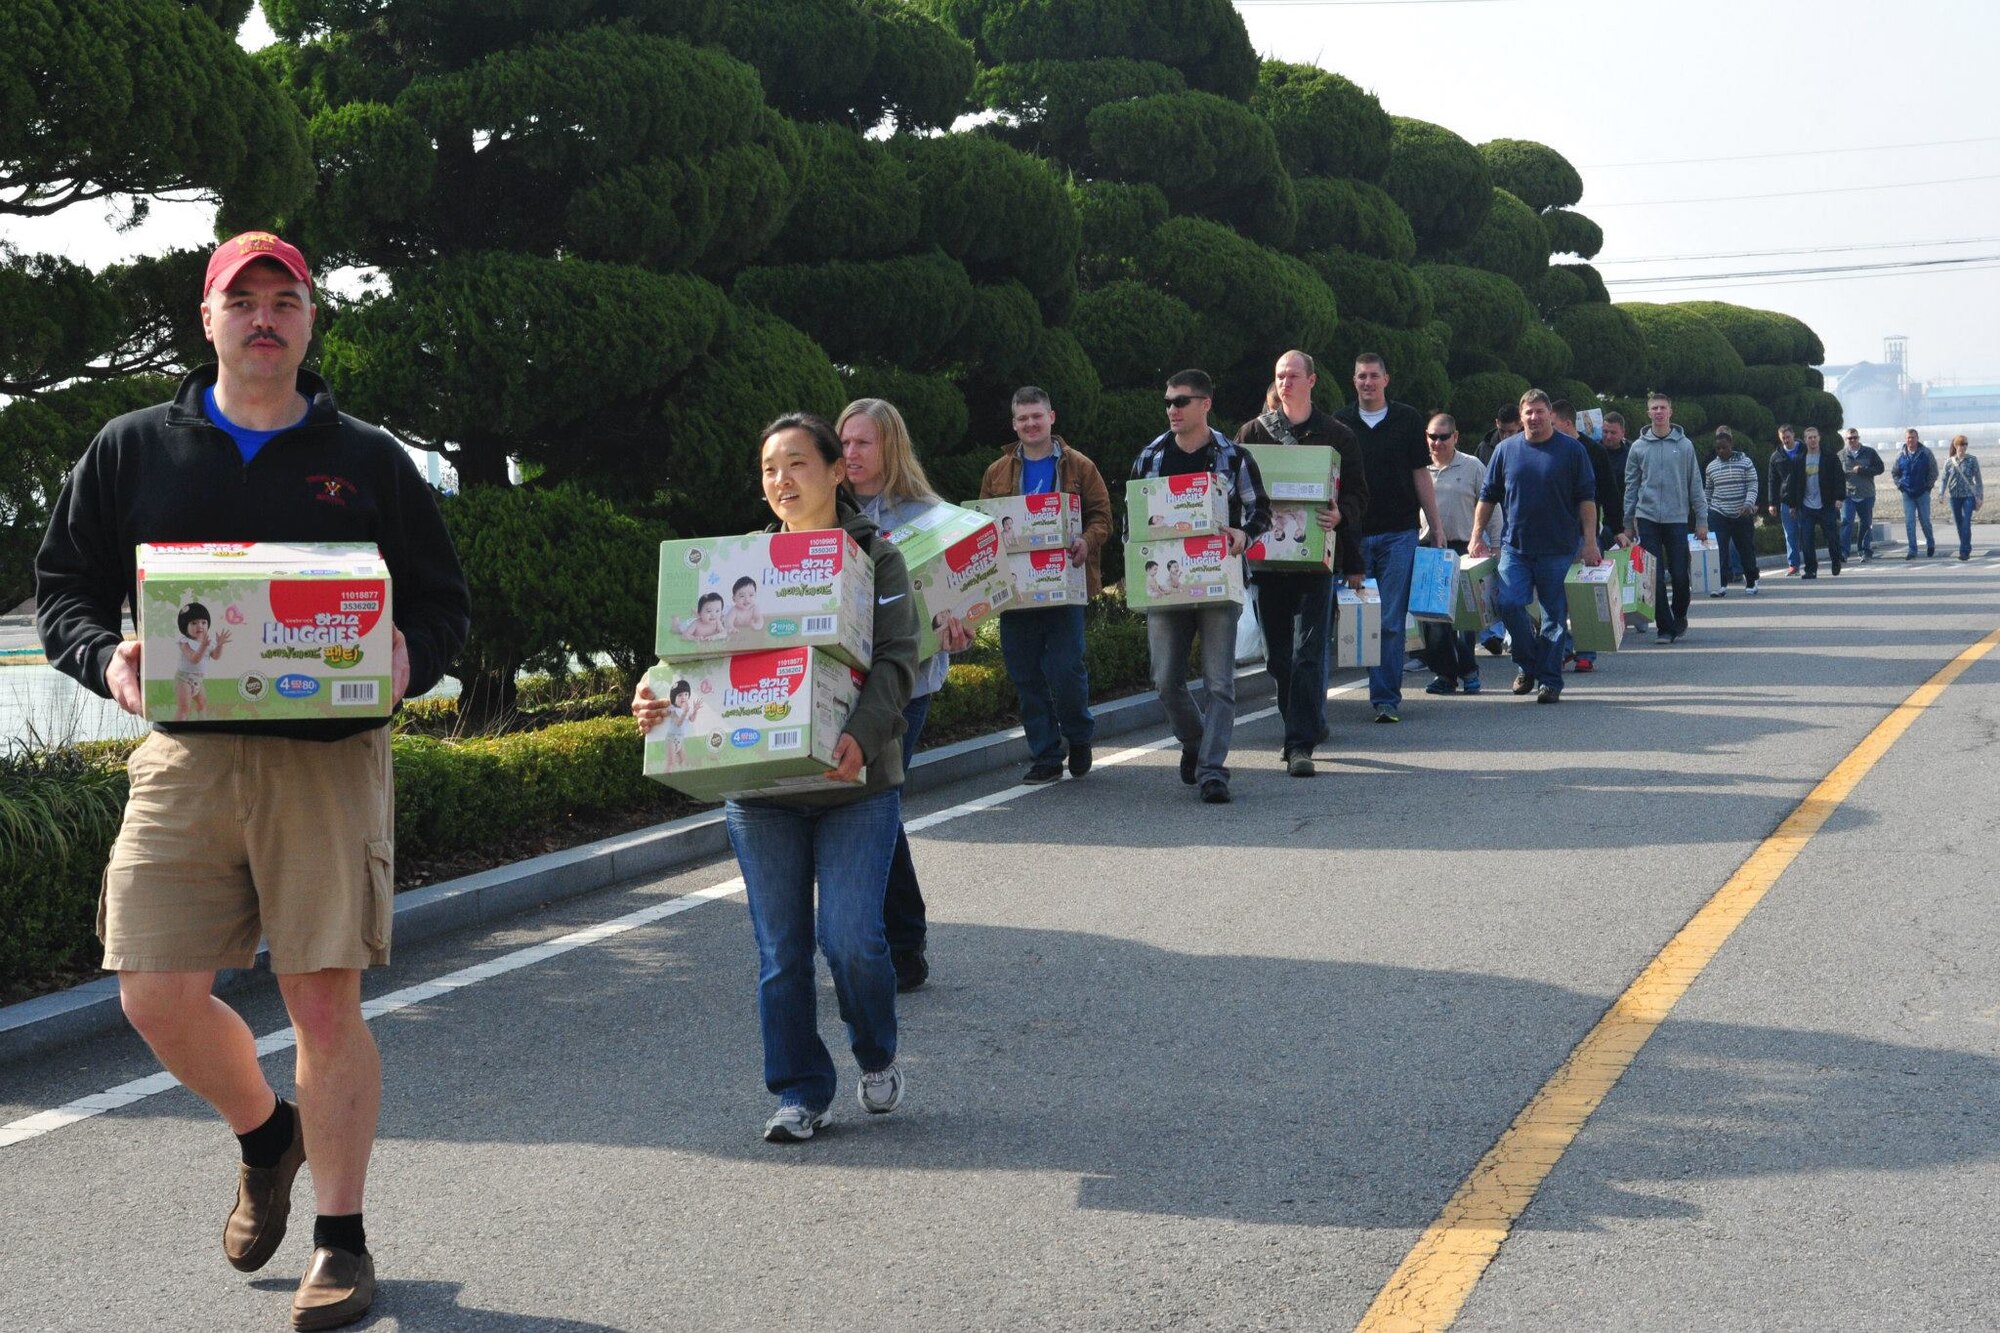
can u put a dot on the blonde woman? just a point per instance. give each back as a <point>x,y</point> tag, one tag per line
<point>1959,480</point>
<point>890,486</point>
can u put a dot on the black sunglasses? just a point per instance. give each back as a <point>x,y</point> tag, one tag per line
<point>1183,399</point>
<point>1432,435</point>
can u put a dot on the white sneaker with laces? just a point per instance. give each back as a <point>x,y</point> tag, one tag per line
<point>882,1091</point>
<point>792,1123</point>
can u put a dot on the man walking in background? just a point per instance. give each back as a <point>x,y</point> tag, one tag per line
<point>1663,498</point>
<point>1861,465</point>
<point>1915,473</point>
<point>1397,461</point>
<point>1730,480</point>
<point>1814,489</point>
<point>1785,461</point>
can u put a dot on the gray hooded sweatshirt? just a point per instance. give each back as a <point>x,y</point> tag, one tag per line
<point>1663,480</point>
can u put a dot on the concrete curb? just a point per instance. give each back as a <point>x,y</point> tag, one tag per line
<point>47,1022</point>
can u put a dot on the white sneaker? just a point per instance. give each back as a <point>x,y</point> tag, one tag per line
<point>792,1123</point>
<point>1751,591</point>
<point>882,1091</point>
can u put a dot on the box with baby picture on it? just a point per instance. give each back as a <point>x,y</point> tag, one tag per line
<point>1186,505</point>
<point>1298,472</point>
<point>1182,571</point>
<point>756,724</point>
<point>264,632</point>
<point>724,595</point>
<point>1295,541</point>
<point>1050,521</point>
<point>1046,578</point>
<point>956,574</point>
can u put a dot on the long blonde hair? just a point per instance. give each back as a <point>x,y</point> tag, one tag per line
<point>902,475</point>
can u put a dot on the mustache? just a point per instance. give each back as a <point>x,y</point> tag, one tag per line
<point>262,336</point>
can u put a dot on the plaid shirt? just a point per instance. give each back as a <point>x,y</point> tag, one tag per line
<point>1249,507</point>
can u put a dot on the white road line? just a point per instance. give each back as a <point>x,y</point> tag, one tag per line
<point>97,1103</point>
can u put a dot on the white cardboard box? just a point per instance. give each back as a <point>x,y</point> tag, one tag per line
<point>1188,505</point>
<point>720,596</point>
<point>756,724</point>
<point>1045,578</point>
<point>1182,571</point>
<point>1357,640</point>
<point>1050,521</point>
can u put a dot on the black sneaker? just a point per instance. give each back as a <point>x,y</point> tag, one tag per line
<point>1215,791</point>
<point>1663,638</point>
<point>912,968</point>
<point>1493,644</point>
<point>1190,760</point>
<point>1079,758</point>
<point>1545,695</point>
<point>1041,773</point>
<point>1300,765</point>
<point>1522,684</point>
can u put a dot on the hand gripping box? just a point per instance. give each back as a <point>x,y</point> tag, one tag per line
<point>1704,565</point>
<point>1596,607</point>
<point>1189,505</point>
<point>756,724</point>
<point>1357,639</point>
<point>264,631</point>
<point>956,573</point>
<point>725,595</point>
<point>1045,522</point>
<point>1045,578</point>
<point>1434,584</point>
<point>1297,472</point>
<point>1295,541</point>
<point>1475,608</point>
<point>1182,571</point>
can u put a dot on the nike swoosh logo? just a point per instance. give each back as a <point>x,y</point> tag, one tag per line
<point>884,601</point>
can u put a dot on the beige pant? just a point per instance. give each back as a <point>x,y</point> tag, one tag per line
<point>227,837</point>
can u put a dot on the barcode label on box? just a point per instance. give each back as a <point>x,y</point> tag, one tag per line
<point>822,625</point>
<point>1297,490</point>
<point>353,693</point>
<point>791,738</point>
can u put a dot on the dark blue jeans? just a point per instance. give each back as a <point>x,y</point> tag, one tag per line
<point>1519,580</point>
<point>783,849</point>
<point>1857,527</point>
<point>1668,544</point>
<point>1815,525</point>
<point>1295,611</point>
<point>903,903</point>
<point>1917,509</point>
<point>1963,507</point>
<point>1389,558</point>
<point>1043,650</point>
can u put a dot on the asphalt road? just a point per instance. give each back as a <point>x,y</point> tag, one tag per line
<point>1201,1067</point>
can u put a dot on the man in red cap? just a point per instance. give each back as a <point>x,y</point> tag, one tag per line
<point>236,830</point>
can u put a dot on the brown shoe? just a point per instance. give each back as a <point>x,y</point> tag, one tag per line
<point>263,1205</point>
<point>337,1289</point>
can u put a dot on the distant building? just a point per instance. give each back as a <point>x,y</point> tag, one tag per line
<point>1960,404</point>
<point>1874,394</point>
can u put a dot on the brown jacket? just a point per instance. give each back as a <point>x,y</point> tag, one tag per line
<point>1075,475</point>
<point>1322,429</point>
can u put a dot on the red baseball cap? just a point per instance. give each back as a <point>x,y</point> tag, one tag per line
<point>234,254</point>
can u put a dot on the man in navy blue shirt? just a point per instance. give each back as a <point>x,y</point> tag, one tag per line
<point>1547,492</point>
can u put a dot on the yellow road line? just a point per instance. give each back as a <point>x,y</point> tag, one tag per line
<point>1431,1285</point>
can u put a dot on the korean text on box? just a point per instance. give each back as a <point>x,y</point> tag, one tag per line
<point>1182,571</point>
<point>756,724</point>
<point>725,595</point>
<point>1189,505</point>
<point>956,571</point>
<point>264,631</point>
<point>1050,521</point>
<point>1046,578</point>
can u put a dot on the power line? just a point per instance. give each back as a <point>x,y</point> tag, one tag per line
<point>1334,4</point>
<point>1792,194</point>
<point>1888,266</point>
<point>1766,157</point>
<point>1752,280</point>
<point>1802,250</point>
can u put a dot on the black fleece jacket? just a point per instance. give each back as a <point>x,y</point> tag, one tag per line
<point>168,474</point>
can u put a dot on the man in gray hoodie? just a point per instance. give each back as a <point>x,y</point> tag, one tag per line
<point>1664,497</point>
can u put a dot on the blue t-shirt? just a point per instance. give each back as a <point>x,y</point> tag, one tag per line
<point>1538,487</point>
<point>1038,475</point>
<point>248,441</point>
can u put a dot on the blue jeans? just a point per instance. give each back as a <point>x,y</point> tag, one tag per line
<point>1043,650</point>
<point>1857,527</point>
<point>1789,518</point>
<point>903,901</point>
<point>1668,544</point>
<point>782,850</point>
<point>1207,730</point>
<point>1295,611</point>
<point>1962,509</point>
<point>1388,558</point>
<point>1519,580</point>
<point>1813,525</point>
<point>1917,509</point>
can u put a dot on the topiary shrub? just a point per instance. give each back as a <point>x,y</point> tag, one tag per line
<point>1684,353</point>
<point>1352,215</point>
<point>1592,280</point>
<point>1558,290</point>
<point>1204,39</point>
<point>922,73</point>
<point>1511,242</point>
<point>1042,105</point>
<point>1479,398</point>
<point>1573,234</point>
<point>1440,181</point>
<point>1606,347</point>
<point>1540,355</point>
<point>1767,384</point>
<point>1740,412</point>
<point>1760,337</point>
<point>1325,124</point>
<point>855,200</point>
<point>932,406</point>
<point>1534,173</point>
<point>899,311</point>
<point>1810,407</point>
<point>1579,394</point>
<point>1485,311</point>
<point>1124,422</point>
<point>1117,222</point>
<point>1000,212</point>
<point>1133,334</point>
<point>1374,289</point>
<point>1207,154</point>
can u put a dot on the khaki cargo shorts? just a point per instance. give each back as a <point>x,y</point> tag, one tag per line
<point>228,837</point>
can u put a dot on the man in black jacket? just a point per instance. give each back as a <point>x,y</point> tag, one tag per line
<point>1812,491</point>
<point>236,830</point>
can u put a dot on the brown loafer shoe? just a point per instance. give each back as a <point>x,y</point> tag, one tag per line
<point>337,1289</point>
<point>263,1205</point>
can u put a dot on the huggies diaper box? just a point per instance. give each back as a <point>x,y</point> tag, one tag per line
<point>1187,505</point>
<point>756,724</point>
<point>1182,571</point>
<point>264,631</point>
<point>725,595</point>
<point>1046,578</point>
<point>1475,609</point>
<point>1298,472</point>
<point>956,572</point>
<point>1050,521</point>
<point>1596,606</point>
<point>1295,541</point>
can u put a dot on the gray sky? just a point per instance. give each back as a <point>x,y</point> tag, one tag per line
<point>1609,82</point>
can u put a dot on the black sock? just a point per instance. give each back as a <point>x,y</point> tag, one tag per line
<point>340,1233</point>
<point>264,1145</point>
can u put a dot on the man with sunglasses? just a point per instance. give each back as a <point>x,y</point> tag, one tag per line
<point>1397,459</point>
<point>1191,445</point>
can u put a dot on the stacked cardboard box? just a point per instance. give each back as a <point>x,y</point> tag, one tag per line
<point>1189,505</point>
<point>1045,578</point>
<point>957,574</point>
<point>1051,521</point>
<point>1182,571</point>
<point>1300,480</point>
